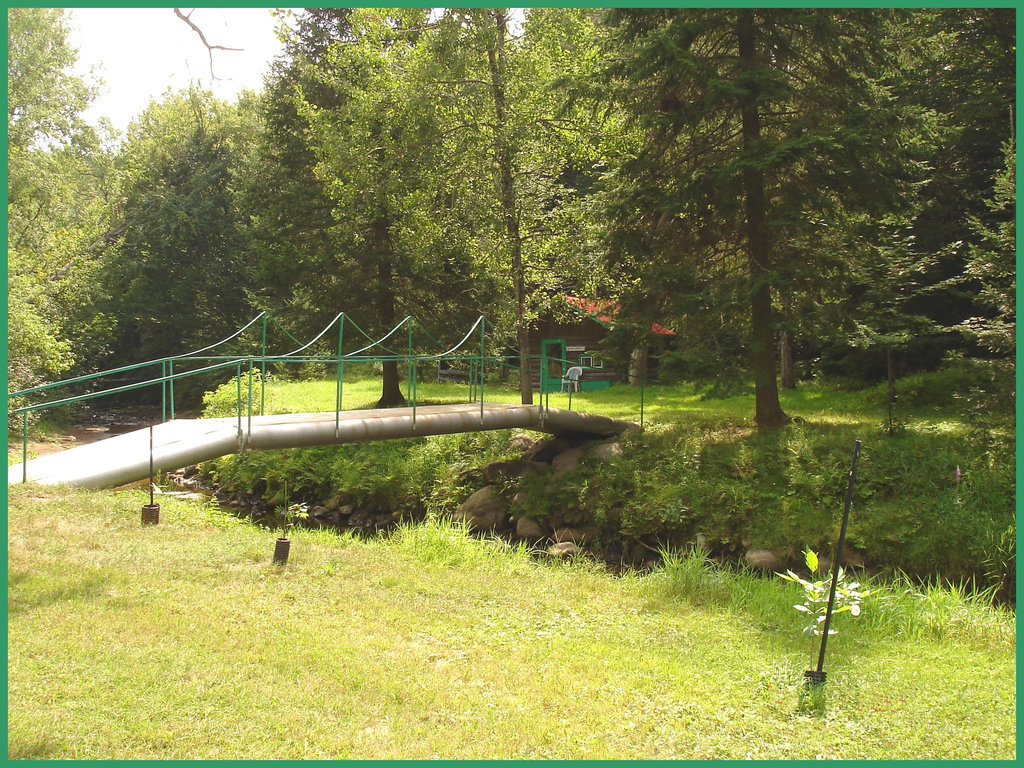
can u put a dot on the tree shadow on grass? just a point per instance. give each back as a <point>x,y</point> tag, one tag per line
<point>28,592</point>
<point>40,748</point>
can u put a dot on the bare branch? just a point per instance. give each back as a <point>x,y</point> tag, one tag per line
<point>209,48</point>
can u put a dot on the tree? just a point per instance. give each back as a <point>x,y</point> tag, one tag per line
<point>991,264</point>
<point>378,149</point>
<point>43,99</point>
<point>964,70</point>
<point>292,229</point>
<point>57,181</point>
<point>751,128</point>
<point>511,140</point>
<point>175,273</point>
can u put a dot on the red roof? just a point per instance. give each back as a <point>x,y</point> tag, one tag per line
<point>604,312</point>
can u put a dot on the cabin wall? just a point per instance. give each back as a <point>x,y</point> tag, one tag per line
<point>583,339</point>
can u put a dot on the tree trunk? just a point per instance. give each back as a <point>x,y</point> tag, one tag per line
<point>391,393</point>
<point>890,389</point>
<point>787,375</point>
<point>638,366</point>
<point>768,412</point>
<point>496,61</point>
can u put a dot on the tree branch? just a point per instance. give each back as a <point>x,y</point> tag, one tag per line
<point>209,48</point>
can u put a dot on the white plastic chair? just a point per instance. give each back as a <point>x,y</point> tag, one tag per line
<point>572,379</point>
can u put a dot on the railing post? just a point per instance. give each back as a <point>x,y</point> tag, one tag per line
<point>263,365</point>
<point>238,400</point>
<point>163,389</point>
<point>340,373</point>
<point>248,435</point>
<point>409,369</point>
<point>24,446</point>
<point>643,379</point>
<point>170,366</point>
<point>482,370</point>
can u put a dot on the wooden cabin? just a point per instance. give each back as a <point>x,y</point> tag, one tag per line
<point>559,341</point>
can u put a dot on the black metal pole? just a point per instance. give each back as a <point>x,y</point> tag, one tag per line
<point>151,465</point>
<point>838,555</point>
<point>151,511</point>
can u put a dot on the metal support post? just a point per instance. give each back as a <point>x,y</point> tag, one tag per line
<point>482,374</point>
<point>643,379</point>
<point>24,446</point>
<point>409,375</point>
<point>263,365</point>
<point>238,400</point>
<point>817,676</point>
<point>170,384</point>
<point>340,375</point>
<point>248,435</point>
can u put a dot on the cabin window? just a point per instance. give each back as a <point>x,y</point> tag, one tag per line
<point>589,361</point>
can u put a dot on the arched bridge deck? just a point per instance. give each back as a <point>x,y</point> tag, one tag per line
<point>181,442</point>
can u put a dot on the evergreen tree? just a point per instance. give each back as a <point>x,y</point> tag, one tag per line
<point>175,277</point>
<point>751,128</point>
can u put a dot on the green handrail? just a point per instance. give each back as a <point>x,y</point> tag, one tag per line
<point>476,360</point>
<point>132,367</point>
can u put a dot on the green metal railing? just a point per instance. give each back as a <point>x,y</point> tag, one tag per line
<point>245,365</point>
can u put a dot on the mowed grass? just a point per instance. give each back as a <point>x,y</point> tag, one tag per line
<point>655,403</point>
<point>183,641</point>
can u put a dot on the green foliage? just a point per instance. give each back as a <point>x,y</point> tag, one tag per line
<point>699,469</point>
<point>43,98</point>
<point>56,190</point>
<point>176,278</point>
<point>848,596</point>
<point>970,386</point>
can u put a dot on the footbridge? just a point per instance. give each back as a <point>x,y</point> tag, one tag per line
<point>175,442</point>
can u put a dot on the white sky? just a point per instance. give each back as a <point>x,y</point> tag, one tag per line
<point>140,52</point>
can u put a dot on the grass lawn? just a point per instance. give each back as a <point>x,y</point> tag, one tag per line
<point>664,404</point>
<point>184,641</point>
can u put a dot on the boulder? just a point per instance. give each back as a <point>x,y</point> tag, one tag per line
<point>546,450</point>
<point>606,453</point>
<point>642,554</point>
<point>528,528</point>
<point>566,461</point>
<point>499,470</point>
<point>520,442</point>
<point>763,559</point>
<point>324,516</point>
<point>852,559</point>
<point>485,510</point>
<point>575,535</point>
<point>563,549</point>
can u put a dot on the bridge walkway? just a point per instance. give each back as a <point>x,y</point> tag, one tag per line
<point>178,443</point>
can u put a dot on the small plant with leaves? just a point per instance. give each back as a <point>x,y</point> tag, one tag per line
<point>292,512</point>
<point>849,596</point>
